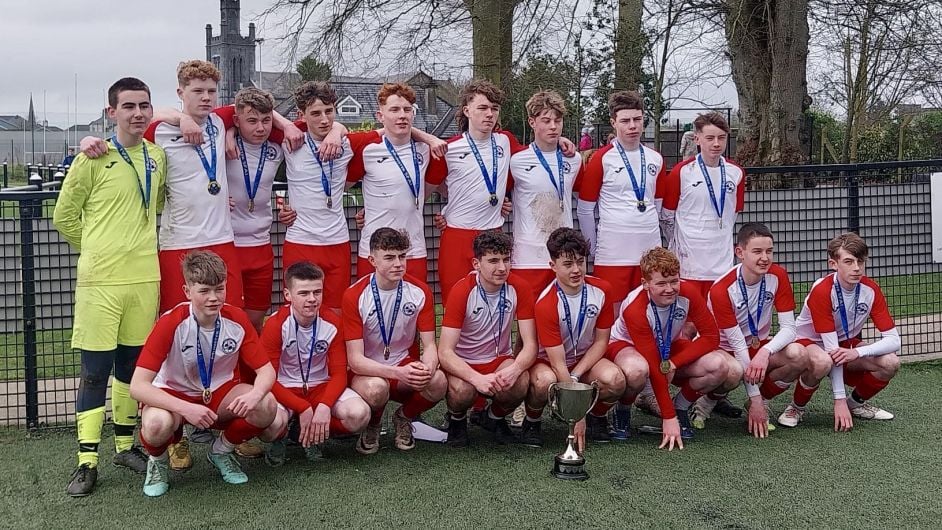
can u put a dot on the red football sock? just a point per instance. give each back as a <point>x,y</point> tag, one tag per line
<point>239,430</point>
<point>628,400</point>
<point>601,408</point>
<point>498,411</point>
<point>154,450</point>
<point>869,386</point>
<point>415,405</point>
<point>533,414</point>
<point>803,394</point>
<point>337,427</point>
<point>479,404</point>
<point>770,389</point>
<point>689,393</point>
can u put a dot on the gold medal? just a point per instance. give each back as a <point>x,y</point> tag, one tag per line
<point>416,203</point>
<point>753,342</point>
<point>386,352</point>
<point>665,367</point>
<point>213,188</point>
<point>207,396</point>
<point>562,207</point>
<point>304,388</point>
<point>493,199</point>
<point>330,202</point>
<point>251,205</point>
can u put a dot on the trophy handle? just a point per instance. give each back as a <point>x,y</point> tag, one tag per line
<point>552,393</point>
<point>596,393</point>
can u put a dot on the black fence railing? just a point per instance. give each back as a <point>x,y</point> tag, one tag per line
<point>888,203</point>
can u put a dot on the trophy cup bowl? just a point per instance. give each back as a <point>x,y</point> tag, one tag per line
<point>570,402</point>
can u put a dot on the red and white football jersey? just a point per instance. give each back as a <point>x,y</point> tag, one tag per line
<point>483,336</point>
<point>388,200</point>
<point>624,232</point>
<point>551,326</point>
<point>170,349</point>
<point>360,321</point>
<point>821,312</point>
<point>192,216</point>
<point>704,248</point>
<point>636,325</point>
<point>536,210</point>
<point>469,204</point>
<point>317,224</point>
<point>252,229</point>
<point>730,309</point>
<point>292,350</point>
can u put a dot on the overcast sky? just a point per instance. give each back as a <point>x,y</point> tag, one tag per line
<point>47,43</point>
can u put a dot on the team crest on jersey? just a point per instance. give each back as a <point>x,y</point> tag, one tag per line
<point>567,167</point>
<point>229,345</point>
<point>408,309</point>
<point>729,186</point>
<point>151,164</point>
<point>680,313</point>
<point>419,157</point>
<point>652,169</point>
<point>271,152</point>
<point>768,296</point>
<point>863,308</point>
<point>320,347</point>
<point>592,311</point>
<point>500,152</point>
<point>507,305</point>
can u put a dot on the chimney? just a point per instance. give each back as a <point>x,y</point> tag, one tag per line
<point>431,99</point>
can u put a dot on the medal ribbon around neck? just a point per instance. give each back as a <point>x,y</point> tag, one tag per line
<point>638,188</point>
<point>325,180</point>
<point>560,186</point>
<point>145,195</point>
<point>414,188</point>
<point>753,325</point>
<point>501,301</point>
<point>209,168</point>
<point>842,309</point>
<point>378,306</point>
<point>580,323</point>
<point>720,206</point>
<point>663,341</point>
<point>490,182</point>
<point>206,373</point>
<point>251,187</point>
<point>305,375</point>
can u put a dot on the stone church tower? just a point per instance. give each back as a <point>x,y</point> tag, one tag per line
<point>232,53</point>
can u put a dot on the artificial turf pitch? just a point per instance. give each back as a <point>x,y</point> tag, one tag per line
<point>882,474</point>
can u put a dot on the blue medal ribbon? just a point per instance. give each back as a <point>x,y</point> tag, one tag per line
<point>378,306</point>
<point>206,374</point>
<point>210,168</point>
<point>720,206</point>
<point>251,187</point>
<point>638,188</point>
<point>753,325</point>
<point>580,323</point>
<point>145,195</point>
<point>560,186</point>
<point>414,188</point>
<point>663,341</point>
<point>501,302</point>
<point>842,309</point>
<point>325,180</point>
<point>490,182</point>
<point>297,338</point>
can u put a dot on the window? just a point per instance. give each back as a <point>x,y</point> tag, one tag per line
<point>348,107</point>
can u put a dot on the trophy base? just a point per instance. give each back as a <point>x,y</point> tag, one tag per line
<point>569,470</point>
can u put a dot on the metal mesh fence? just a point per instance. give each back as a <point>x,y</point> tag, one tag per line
<point>888,203</point>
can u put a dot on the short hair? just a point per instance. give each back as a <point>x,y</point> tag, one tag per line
<point>477,86</point>
<point>395,89</point>
<point>567,242</point>
<point>258,99</point>
<point>311,91</point>
<point>711,118</point>
<point>624,100</point>
<point>750,231</point>
<point>543,101</point>
<point>492,242</point>
<point>196,69</point>
<point>850,242</point>
<point>302,270</point>
<point>124,84</point>
<point>389,239</point>
<point>205,267</point>
<point>659,259</point>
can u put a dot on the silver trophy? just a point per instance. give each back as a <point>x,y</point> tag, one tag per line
<point>570,402</point>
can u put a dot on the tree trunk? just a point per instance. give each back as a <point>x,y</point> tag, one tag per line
<point>629,45</point>
<point>768,46</point>
<point>492,39</point>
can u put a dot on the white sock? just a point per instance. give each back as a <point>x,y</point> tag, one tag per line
<point>222,446</point>
<point>853,403</point>
<point>680,402</point>
<point>162,458</point>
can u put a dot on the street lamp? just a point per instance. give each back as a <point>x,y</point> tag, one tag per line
<point>258,42</point>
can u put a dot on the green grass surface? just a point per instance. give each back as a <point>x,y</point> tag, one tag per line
<point>910,295</point>
<point>879,475</point>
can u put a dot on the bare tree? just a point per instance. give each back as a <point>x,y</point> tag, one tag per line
<point>768,49</point>
<point>873,55</point>
<point>437,34</point>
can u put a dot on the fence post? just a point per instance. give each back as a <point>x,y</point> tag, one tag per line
<point>853,201</point>
<point>6,176</point>
<point>27,213</point>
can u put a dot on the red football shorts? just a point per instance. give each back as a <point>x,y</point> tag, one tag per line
<point>333,259</point>
<point>537,278</point>
<point>171,274</point>
<point>622,278</point>
<point>258,275</point>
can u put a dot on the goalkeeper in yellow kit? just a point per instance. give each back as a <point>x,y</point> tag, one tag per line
<point>107,210</point>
